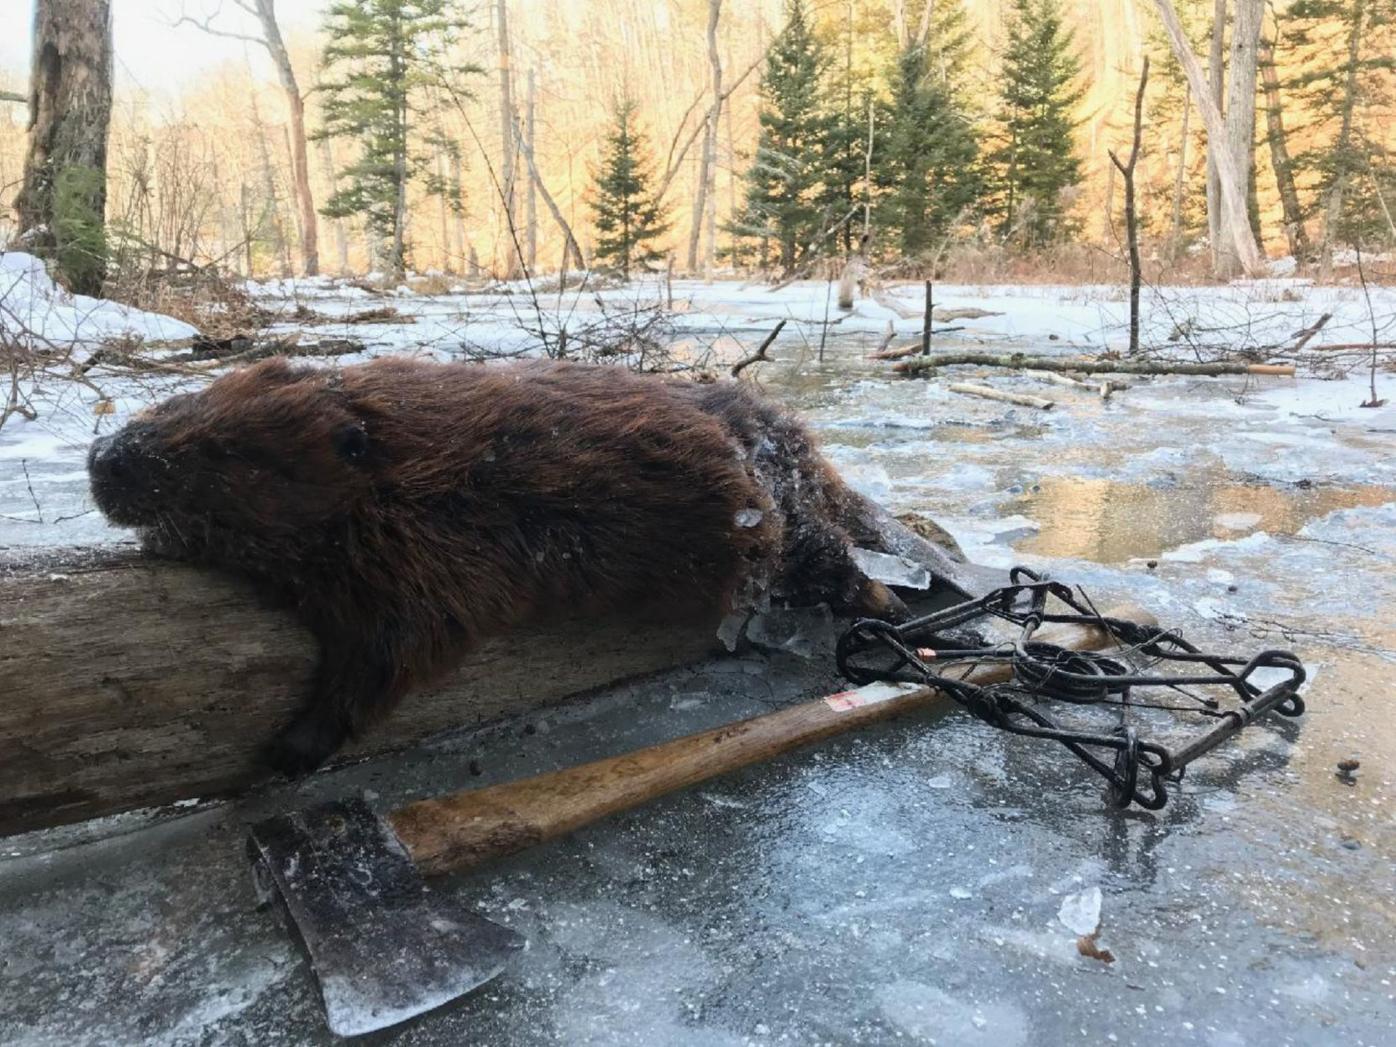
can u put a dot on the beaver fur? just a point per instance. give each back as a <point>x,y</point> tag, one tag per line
<point>406,509</point>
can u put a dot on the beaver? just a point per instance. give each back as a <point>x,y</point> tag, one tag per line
<point>405,509</point>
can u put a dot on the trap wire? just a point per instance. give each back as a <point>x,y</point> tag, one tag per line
<point>1148,682</point>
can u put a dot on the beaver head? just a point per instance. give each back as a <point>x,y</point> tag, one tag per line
<point>267,452</point>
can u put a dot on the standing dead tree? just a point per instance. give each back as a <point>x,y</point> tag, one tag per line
<point>1232,180</point>
<point>705,199</point>
<point>264,11</point>
<point>1131,211</point>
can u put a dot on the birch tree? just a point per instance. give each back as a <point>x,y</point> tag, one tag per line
<point>1231,180</point>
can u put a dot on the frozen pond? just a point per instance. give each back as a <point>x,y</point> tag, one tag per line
<point>904,885</point>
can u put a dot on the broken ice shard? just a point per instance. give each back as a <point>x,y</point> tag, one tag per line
<point>892,570</point>
<point>804,631</point>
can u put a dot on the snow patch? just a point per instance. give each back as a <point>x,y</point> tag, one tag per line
<point>44,316</point>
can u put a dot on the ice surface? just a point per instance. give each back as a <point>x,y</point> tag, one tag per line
<point>805,631</point>
<point>811,897</point>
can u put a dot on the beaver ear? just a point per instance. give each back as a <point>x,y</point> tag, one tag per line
<point>351,441</point>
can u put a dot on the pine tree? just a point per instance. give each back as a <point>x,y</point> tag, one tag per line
<point>785,183</point>
<point>1344,50</point>
<point>624,210</point>
<point>381,54</point>
<point>1036,160</point>
<point>931,170</point>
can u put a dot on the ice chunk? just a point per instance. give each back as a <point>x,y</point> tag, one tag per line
<point>748,517</point>
<point>1080,912</point>
<point>804,631</point>
<point>961,893</point>
<point>730,631</point>
<point>892,570</point>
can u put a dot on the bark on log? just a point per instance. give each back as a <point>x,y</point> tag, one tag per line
<point>1054,363</point>
<point>130,682</point>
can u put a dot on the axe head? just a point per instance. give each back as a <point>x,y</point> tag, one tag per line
<point>383,946</point>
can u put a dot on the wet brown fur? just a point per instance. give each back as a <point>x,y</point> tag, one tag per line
<point>407,508</point>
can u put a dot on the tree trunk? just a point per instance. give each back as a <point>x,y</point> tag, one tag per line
<point>341,236</point>
<point>508,146</point>
<point>1333,207</point>
<point>62,202</point>
<point>569,241</point>
<point>1175,233</point>
<point>300,164</point>
<point>1279,153</point>
<point>445,208</point>
<point>1131,211</point>
<point>280,244</point>
<point>531,200</point>
<point>1216,76</point>
<point>397,263</point>
<point>707,168</point>
<point>458,208</point>
<point>1240,125</point>
<point>1231,178</point>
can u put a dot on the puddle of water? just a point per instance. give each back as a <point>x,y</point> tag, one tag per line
<point>1108,521</point>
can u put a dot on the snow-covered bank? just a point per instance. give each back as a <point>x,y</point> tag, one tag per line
<point>37,313</point>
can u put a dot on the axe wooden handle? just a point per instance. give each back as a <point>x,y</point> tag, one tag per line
<point>467,828</point>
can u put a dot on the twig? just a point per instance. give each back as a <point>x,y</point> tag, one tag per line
<point>760,355</point>
<point>1302,336</point>
<point>1372,370</point>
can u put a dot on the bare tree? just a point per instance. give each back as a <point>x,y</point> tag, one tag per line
<point>62,202</point>
<point>1131,211</point>
<point>706,197</point>
<point>1240,124</point>
<point>1231,178</point>
<point>507,134</point>
<point>1216,85</point>
<point>531,200</point>
<point>1279,152</point>
<point>271,40</point>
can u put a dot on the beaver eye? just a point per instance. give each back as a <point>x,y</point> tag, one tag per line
<point>351,442</point>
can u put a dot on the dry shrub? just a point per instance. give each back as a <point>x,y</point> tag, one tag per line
<point>213,301</point>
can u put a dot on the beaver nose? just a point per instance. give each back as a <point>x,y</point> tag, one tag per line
<point>105,455</point>
<point>110,456</point>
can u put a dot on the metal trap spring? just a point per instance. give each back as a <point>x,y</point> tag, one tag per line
<point>1150,671</point>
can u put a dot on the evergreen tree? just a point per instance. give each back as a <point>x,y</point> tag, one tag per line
<point>1036,160</point>
<point>624,210</point>
<point>381,54</point>
<point>931,169</point>
<point>1344,49</point>
<point>785,186</point>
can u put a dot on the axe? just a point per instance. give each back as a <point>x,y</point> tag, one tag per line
<point>386,948</point>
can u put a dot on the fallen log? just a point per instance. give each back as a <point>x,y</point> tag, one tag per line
<point>988,393</point>
<point>1086,366</point>
<point>127,681</point>
<point>130,682</point>
<point>901,352</point>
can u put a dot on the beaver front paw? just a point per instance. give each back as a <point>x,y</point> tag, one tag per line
<point>305,745</point>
